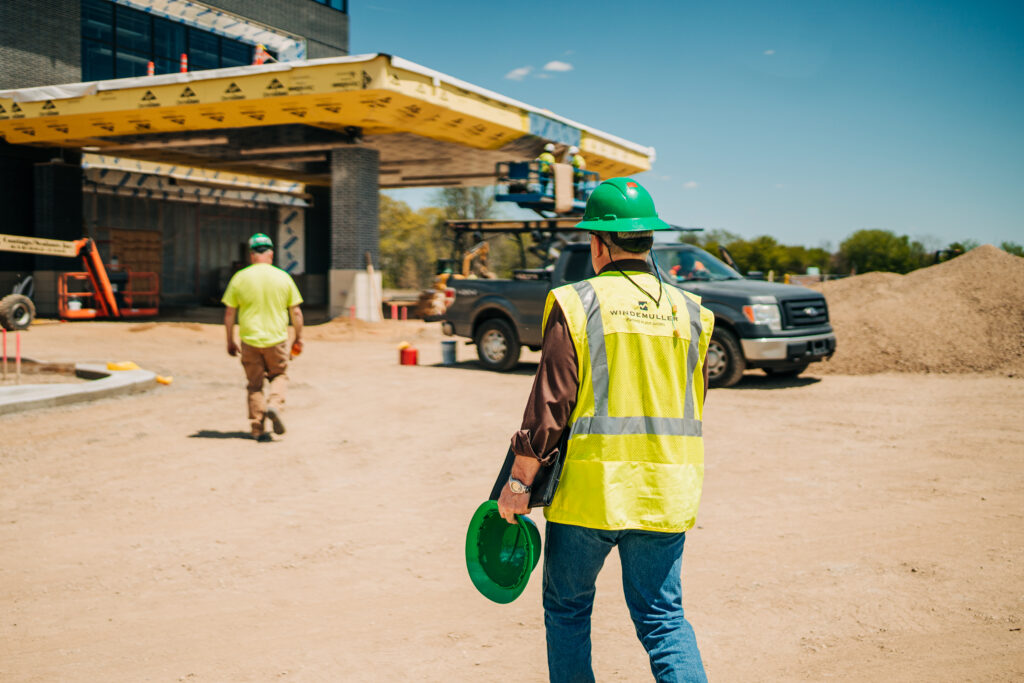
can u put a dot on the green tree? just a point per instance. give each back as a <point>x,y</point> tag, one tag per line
<point>409,243</point>
<point>466,203</point>
<point>1012,248</point>
<point>763,253</point>
<point>881,250</point>
<point>475,203</point>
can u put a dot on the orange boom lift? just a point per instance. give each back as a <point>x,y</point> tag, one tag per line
<point>91,294</point>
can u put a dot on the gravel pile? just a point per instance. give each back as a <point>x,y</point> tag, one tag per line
<point>964,315</point>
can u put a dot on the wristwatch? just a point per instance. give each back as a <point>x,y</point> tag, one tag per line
<point>517,486</point>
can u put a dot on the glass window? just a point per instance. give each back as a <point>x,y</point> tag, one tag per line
<point>167,66</point>
<point>98,20</point>
<point>118,42</point>
<point>168,39</point>
<point>203,51</point>
<point>133,30</point>
<point>131,64</point>
<point>97,61</point>
<point>234,53</point>
<point>690,263</point>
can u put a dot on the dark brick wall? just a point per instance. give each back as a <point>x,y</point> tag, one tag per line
<point>355,220</point>
<point>18,197</point>
<point>58,206</point>
<point>325,29</point>
<point>40,42</point>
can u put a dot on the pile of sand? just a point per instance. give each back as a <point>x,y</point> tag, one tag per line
<point>964,315</point>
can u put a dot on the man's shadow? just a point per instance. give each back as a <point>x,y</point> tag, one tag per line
<point>214,434</point>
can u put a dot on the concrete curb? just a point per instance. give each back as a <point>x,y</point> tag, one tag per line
<point>105,384</point>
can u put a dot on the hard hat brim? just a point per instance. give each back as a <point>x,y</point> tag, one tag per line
<point>480,541</point>
<point>624,225</point>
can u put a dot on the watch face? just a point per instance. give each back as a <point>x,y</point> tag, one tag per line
<point>516,486</point>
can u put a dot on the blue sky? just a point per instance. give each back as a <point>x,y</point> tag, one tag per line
<point>802,120</point>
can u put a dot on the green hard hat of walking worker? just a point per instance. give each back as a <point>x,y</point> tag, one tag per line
<point>500,556</point>
<point>260,242</point>
<point>621,205</point>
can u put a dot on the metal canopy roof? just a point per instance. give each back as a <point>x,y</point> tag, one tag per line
<point>281,120</point>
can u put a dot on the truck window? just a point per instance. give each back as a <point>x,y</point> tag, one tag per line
<point>577,265</point>
<point>692,264</point>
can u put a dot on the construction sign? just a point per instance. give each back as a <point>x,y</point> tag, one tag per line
<point>377,93</point>
<point>37,245</point>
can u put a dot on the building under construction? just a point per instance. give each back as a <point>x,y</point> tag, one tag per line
<point>168,131</point>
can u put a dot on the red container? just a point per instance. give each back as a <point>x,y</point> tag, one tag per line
<point>407,356</point>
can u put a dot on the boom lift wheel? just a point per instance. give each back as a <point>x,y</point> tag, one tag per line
<point>16,312</point>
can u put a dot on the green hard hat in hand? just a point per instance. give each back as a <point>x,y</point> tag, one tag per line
<point>621,205</point>
<point>500,556</point>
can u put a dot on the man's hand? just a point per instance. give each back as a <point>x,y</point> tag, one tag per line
<point>512,504</point>
<point>232,348</point>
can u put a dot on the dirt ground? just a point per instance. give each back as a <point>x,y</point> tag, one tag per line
<point>858,528</point>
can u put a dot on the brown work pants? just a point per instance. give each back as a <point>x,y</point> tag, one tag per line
<point>270,363</point>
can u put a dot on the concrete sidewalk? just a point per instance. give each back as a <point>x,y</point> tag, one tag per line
<point>104,384</point>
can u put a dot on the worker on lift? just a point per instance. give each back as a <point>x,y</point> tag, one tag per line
<point>579,165</point>
<point>546,161</point>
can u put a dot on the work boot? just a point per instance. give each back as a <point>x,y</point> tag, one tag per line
<point>275,419</point>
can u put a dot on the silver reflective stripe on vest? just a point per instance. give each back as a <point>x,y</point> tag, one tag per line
<point>693,310</point>
<point>601,422</point>
<point>661,426</point>
<point>595,340</point>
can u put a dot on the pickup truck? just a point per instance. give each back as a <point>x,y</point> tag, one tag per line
<point>778,328</point>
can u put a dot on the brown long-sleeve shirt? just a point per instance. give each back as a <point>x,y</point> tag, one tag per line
<point>556,384</point>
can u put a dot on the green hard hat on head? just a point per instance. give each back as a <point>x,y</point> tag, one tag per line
<point>500,556</point>
<point>621,205</point>
<point>260,242</point>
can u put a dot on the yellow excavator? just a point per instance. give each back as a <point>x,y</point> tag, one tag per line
<point>93,293</point>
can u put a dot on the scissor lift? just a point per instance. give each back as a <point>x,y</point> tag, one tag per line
<point>562,192</point>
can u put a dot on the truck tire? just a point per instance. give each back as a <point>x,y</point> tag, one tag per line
<point>725,359</point>
<point>16,312</point>
<point>782,373</point>
<point>497,346</point>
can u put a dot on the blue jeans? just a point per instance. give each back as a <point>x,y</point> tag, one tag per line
<point>651,565</point>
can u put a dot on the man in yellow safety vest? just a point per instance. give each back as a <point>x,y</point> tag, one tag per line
<point>622,368</point>
<point>579,165</point>
<point>545,166</point>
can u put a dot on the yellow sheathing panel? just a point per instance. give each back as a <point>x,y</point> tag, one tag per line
<point>192,174</point>
<point>372,93</point>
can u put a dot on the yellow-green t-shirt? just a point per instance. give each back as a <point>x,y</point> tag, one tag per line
<point>262,293</point>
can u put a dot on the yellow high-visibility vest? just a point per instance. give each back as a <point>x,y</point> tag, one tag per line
<point>635,458</point>
<point>546,159</point>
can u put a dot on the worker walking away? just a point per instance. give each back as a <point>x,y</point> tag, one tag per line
<point>622,368</point>
<point>579,165</point>
<point>264,298</point>
<point>545,166</point>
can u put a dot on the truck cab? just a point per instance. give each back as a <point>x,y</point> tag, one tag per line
<point>778,328</point>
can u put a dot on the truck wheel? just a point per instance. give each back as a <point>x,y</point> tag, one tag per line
<point>16,312</point>
<point>786,372</point>
<point>497,346</point>
<point>725,359</point>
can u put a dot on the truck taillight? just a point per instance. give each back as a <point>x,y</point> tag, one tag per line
<point>449,297</point>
